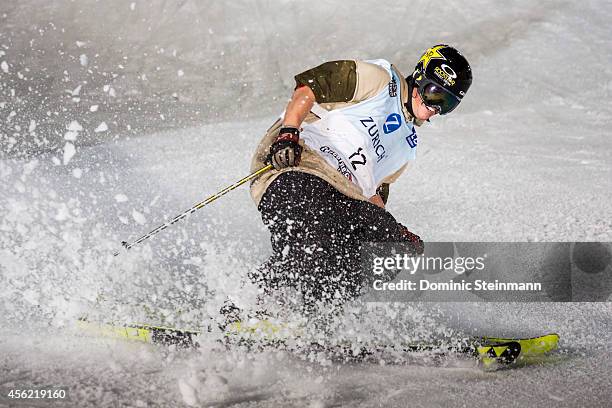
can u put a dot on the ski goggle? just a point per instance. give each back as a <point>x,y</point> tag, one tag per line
<point>436,97</point>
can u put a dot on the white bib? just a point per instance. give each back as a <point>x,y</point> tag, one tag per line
<point>367,141</point>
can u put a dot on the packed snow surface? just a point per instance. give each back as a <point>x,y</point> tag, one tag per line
<point>116,116</point>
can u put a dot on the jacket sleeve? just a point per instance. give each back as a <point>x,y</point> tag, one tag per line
<point>344,81</point>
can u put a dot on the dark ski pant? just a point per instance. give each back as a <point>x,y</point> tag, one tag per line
<point>317,233</point>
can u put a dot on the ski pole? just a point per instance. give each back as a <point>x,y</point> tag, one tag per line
<point>196,207</point>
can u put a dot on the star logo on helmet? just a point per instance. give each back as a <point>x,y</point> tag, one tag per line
<point>432,53</point>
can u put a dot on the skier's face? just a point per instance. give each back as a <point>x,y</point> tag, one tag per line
<point>421,111</point>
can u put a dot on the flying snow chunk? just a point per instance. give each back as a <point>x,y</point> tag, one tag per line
<point>77,173</point>
<point>188,392</point>
<point>83,59</point>
<point>71,136</point>
<point>138,217</point>
<point>4,67</point>
<point>75,126</point>
<point>76,91</point>
<point>93,108</point>
<point>62,213</point>
<point>80,44</point>
<point>102,127</point>
<point>32,126</point>
<point>121,198</point>
<point>194,260</point>
<point>132,6</point>
<point>69,152</point>
<point>30,296</point>
<point>180,73</point>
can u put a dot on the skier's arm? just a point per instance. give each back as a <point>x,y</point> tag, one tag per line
<point>377,200</point>
<point>286,150</point>
<point>381,196</point>
<point>333,82</point>
<point>301,102</point>
<point>330,82</point>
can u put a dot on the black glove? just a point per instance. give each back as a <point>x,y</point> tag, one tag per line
<point>416,246</point>
<point>285,151</point>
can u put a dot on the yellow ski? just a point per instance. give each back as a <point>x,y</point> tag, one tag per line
<point>492,352</point>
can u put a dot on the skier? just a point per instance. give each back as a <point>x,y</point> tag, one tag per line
<point>347,133</point>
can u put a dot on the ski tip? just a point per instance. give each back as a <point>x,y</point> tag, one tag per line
<point>497,352</point>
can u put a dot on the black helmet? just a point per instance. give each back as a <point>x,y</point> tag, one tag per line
<point>443,76</point>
